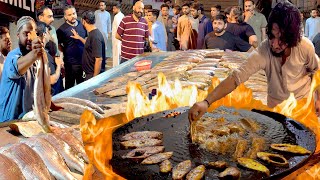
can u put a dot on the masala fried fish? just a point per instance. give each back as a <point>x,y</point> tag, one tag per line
<point>143,152</point>
<point>196,173</point>
<point>254,165</point>
<point>181,169</point>
<point>157,158</point>
<point>295,149</point>
<point>135,143</point>
<point>274,159</point>
<point>165,166</point>
<point>142,135</point>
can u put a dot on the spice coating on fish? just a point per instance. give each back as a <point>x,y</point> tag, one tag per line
<point>9,169</point>
<point>51,158</point>
<point>196,173</point>
<point>143,152</point>
<point>254,165</point>
<point>290,148</point>
<point>157,158</point>
<point>68,153</point>
<point>79,101</point>
<point>142,135</point>
<point>140,143</point>
<point>180,170</point>
<point>274,159</point>
<point>165,166</point>
<point>231,173</point>
<point>28,161</point>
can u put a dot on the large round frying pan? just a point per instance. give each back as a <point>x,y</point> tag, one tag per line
<point>276,128</point>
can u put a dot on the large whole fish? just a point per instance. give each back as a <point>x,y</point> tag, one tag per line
<point>42,92</point>
<point>68,154</point>
<point>28,161</point>
<point>51,158</point>
<point>78,109</point>
<point>9,169</point>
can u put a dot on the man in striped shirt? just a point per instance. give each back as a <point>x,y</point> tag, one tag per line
<point>133,32</point>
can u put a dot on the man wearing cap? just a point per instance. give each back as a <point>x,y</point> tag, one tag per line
<point>19,73</point>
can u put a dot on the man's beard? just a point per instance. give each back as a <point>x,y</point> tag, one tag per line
<point>23,49</point>
<point>137,14</point>
<point>5,51</point>
<point>217,30</point>
<point>195,17</point>
<point>280,54</point>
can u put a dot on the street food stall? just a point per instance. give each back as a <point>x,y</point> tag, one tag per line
<point>134,124</point>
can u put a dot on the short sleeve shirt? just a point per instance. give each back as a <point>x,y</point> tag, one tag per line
<point>243,30</point>
<point>257,22</point>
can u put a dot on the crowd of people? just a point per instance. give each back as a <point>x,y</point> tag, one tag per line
<point>77,49</point>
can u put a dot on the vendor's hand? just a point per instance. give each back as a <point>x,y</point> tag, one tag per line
<point>75,34</point>
<point>197,110</point>
<point>317,107</point>
<point>59,62</point>
<point>37,47</point>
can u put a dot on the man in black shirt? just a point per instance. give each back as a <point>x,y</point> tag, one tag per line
<point>93,53</point>
<point>71,48</point>
<point>221,39</point>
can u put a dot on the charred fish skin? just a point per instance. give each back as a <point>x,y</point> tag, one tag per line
<point>196,173</point>
<point>180,170</point>
<point>142,135</point>
<point>295,149</point>
<point>143,152</point>
<point>28,161</point>
<point>140,143</point>
<point>9,169</point>
<point>274,159</point>
<point>69,155</point>
<point>231,173</point>
<point>51,158</point>
<point>80,101</point>
<point>157,158</point>
<point>165,166</point>
<point>254,165</point>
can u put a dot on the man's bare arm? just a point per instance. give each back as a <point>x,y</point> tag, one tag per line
<point>118,37</point>
<point>97,66</point>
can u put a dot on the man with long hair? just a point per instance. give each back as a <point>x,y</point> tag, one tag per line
<point>288,59</point>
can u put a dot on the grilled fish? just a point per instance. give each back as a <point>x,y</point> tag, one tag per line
<point>83,102</point>
<point>143,152</point>
<point>165,166</point>
<point>240,148</point>
<point>274,159</point>
<point>180,170</point>
<point>258,144</point>
<point>218,164</point>
<point>29,162</point>
<point>157,158</point>
<point>117,92</point>
<point>196,173</point>
<point>253,164</point>
<point>231,173</point>
<point>109,87</point>
<point>68,153</point>
<point>142,135</point>
<point>9,169</point>
<point>65,117</point>
<point>249,124</point>
<point>78,109</point>
<point>51,158</point>
<point>67,137</point>
<point>140,143</point>
<point>290,148</point>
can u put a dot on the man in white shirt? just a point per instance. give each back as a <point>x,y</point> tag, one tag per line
<point>5,46</point>
<point>116,44</point>
<point>312,25</point>
<point>103,23</point>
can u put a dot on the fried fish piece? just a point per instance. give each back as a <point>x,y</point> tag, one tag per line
<point>165,166</point>
<point>274,159</point>
<point>258,144</point>
<point>254,165</point>
<point>157,158</point>
<point>180,170</point>
<point>142,135</point>
<point>249,124</point>
<point>231,173</point>
<point>240,148</point>
<point>196,173</point>
<point>218,164</point>
<point>143,152</point>
<point>290,148</point>
<point>135,143</point>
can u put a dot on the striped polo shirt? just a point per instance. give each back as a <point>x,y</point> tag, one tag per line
<point>133,35</point>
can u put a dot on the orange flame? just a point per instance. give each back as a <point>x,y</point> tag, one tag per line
<point>97,135</point>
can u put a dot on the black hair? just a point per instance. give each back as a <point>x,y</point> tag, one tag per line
<point>220,17</point>
<point>165,1</point>
<point>41,10</point>
<point>217,6</point>
<point>177,7</point>
<point>117,4</point>
<point>89,17</point>
<point>41,28</point>
<point>197,7</point>
<point>164,5</point>
<point>68,7</point>
<point>3,30</point>
<point>287,17</point>
<point>105,3</point>
<point>251,1</point>
<point>148,7</point>
<point>186,4</point>
<point>227,10</point>
<point>155,12</point>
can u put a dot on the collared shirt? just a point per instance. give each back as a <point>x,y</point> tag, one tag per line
<point>312,27</point>
<point>2,58</point>
<point>103,22</point>
<point>243,30</point>
<point>205,27</point>
<point>258,21</point>
<point>133,35</point>
<point>157,36</point>
<point>16,89</point>
<point>293,76</point>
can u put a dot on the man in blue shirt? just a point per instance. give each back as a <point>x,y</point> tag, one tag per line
<point>19,73</point>
<point>158,36</point>
<point>205,25</point>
